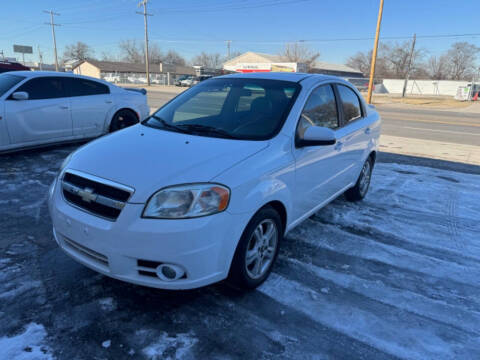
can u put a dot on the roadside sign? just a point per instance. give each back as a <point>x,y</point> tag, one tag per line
<point>23,49</point>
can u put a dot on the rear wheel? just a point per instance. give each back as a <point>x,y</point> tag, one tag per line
<point>123,119</point>
<point>360,189</point>
<point>257,250</point>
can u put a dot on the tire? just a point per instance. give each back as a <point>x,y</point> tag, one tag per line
<point>123,119</point>
<point>359,191</point>
<point>264,250</point>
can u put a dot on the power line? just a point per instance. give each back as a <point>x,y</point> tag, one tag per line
<point>53,34</point>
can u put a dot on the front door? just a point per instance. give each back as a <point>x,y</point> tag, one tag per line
<point>43,117</point>
<point>317,167</point>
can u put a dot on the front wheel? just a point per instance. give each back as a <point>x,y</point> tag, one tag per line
<point>360,189</point>
<point>123,119</point>
<point>257,250</point>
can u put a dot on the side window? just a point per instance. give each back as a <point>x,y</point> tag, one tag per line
<point>43,88</point>
<point>320,110</point>
<point>83,87</point>
<point>351,103</point>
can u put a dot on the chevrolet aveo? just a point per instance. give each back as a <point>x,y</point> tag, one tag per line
<point>206,187</point>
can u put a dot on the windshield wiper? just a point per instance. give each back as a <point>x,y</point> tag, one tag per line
<point>205,129</point>
<point>166,125</point>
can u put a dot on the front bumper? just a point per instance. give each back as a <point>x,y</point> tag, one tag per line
<point>203,247</point>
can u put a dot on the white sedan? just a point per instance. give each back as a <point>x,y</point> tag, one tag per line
<point>39,108</point>
<point>209,184</point>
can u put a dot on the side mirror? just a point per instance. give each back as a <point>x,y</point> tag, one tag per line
<point>20,95</point>
<point>315,136</point>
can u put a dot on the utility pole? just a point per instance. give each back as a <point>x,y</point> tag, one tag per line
<point>40,57</point>
<point>410,59</point>
<point>228,48</point>
<point>53,34</point>
<point>145,14</point>
<point>374,53</point>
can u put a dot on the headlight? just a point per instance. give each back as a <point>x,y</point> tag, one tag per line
<point>187,201</point>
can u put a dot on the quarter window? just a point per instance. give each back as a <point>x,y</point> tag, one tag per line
<point>320,110</point>
<point>83,87</point>
<point>43,88</point>
<point>351,103</point>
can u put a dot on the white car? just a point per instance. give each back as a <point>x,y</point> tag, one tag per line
<point>209,184</point>
<point>39,108</point>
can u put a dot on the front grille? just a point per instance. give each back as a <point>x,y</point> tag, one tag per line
<point>101,199</point>
<point>89,253</point>
<point>147,267</point>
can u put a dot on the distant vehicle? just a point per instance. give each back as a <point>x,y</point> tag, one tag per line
<point>178,82</point>
<point>360,83</point>
<point>12,66</point>
<point>206,187</point>
<point>188,81</point>
<point>39,108</point>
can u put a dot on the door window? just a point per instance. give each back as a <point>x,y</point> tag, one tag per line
<point>84,87</point>
<point>320,110</point>
<point>351,103</point>
<point>44,88</point>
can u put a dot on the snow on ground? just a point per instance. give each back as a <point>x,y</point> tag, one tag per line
<point>394,276</point>
<point>29,345</point>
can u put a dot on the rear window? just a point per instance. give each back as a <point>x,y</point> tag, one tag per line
<point>84,87</point>
<point>7,81</point>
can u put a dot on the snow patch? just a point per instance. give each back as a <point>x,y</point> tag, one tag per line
<point>28,345</point>
<point>168,347</point>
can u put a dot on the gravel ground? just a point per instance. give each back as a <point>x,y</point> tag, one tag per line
<point>395,276</point>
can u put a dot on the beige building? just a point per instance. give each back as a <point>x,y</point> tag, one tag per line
<point>259,62</point>
<point>122,72</point>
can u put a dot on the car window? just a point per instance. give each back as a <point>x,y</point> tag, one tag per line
<point>7,81</point>
<point>320,110</point>
<point>235,108</point>
<point>351,103</point>
<point>203,104</point>
<point>48,87</point>
<point>84,87</point>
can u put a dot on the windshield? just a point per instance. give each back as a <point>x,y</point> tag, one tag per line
<point>249,109</point>
<point>7,81</point>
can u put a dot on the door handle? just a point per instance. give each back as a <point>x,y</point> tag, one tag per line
<point>368,131</point>
<point>64,107</point>
<point>108,101</point>
<point>338,146</point>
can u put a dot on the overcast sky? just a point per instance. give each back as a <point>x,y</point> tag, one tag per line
<point>189,26</point>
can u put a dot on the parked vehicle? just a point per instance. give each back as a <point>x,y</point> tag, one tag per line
<point>360,83</point>
<point>39,108</point>
<point>178,82</point>
<point>6,66</point>
<point>188,81</point>
<point>208,185</point>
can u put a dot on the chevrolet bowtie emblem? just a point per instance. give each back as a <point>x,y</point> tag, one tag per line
<point>87,195</point>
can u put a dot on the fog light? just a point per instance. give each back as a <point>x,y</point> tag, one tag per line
<point>170,272</point>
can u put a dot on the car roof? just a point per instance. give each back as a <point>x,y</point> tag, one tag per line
<point>285,76</point>
<point>32,74</point>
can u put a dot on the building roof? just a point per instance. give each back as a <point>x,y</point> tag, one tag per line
<point>254,57</point>
<point>321,65</point>
<point>124,67</point>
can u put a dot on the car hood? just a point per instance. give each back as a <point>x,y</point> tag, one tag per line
<point>148,159</point>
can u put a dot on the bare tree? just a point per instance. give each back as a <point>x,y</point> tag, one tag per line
<point>78,51</point>
<point>296,52</point>
<point>172,57</point>
<point>212,61</point>
<point>133,51</point>
<point>362,61</point>
<point>461,60</point>
<point>437,67</point>
<point>397,56</point>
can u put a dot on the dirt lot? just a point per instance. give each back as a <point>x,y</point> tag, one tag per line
<point>395,276</point>
<point>434,102</point>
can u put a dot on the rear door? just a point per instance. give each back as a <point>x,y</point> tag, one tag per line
<point>317,167</point>
<point>91,102</point>
<point>354,135</point>
<point>44,117</point>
